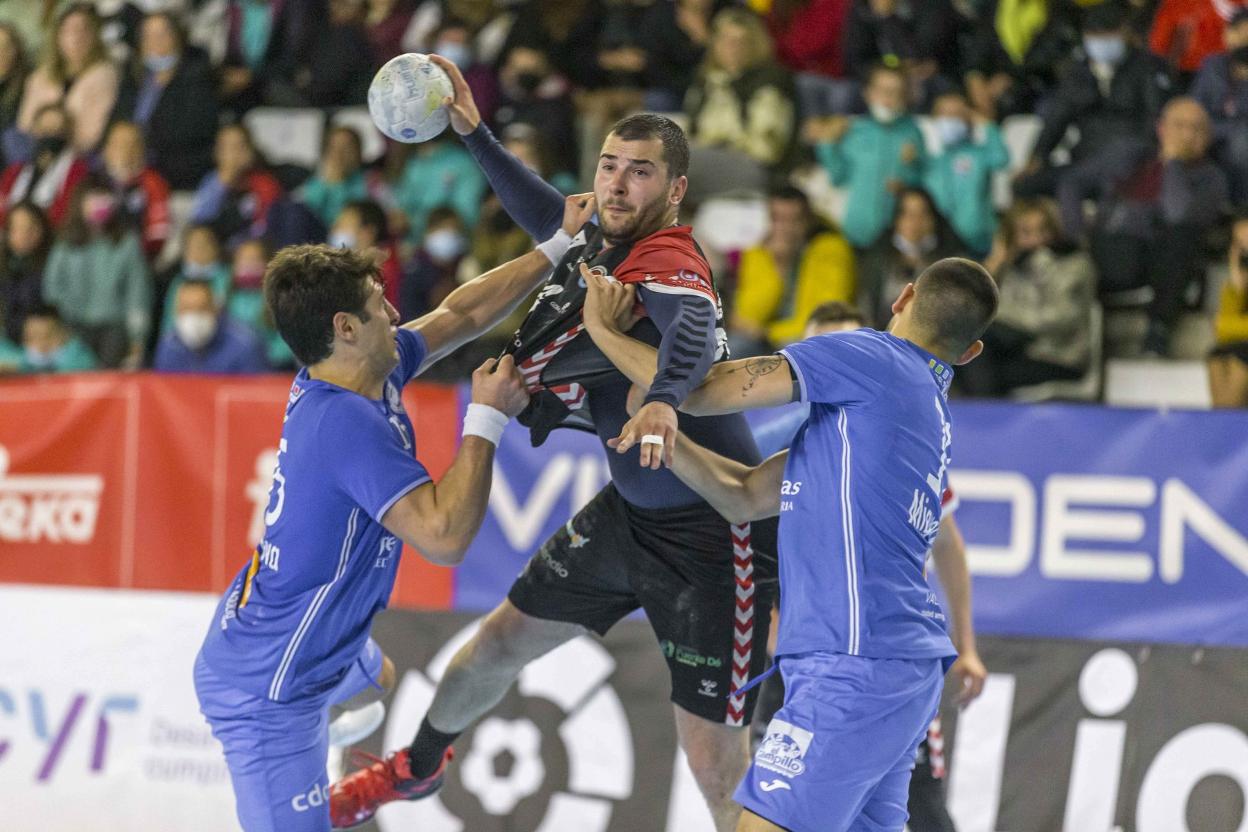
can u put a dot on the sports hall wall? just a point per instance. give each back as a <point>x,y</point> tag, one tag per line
<point>1108,547</point>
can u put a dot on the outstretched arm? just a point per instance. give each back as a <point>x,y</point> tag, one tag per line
<point>740,493</point>
<point>480,304</point>
<point>532,202</point>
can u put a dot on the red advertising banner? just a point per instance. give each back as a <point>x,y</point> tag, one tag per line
<point>159,482</point>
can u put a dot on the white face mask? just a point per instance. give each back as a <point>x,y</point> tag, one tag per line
<point>883,114</point>
<point>195,329</point>
<point>342,239</point>
<point>952,130</point>
<point>444,245</point>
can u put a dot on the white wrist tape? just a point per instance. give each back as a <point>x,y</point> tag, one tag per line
<point>485,421</point>
<point>556,246</point>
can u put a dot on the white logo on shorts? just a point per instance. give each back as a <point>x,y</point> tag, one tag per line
<point>783,748</point>
<point>708,687</point>
<point>773,785</point>
<point>316,796</point>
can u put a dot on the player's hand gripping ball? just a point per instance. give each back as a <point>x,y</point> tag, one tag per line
<point>406,98</point>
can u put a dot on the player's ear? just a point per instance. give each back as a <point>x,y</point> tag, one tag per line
<point>676,193</point>
<point>903,300</point>
<point>345,325</point>
<point>971,352</point>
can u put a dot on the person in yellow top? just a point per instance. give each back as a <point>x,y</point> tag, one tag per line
<point>1228,363</point>
<point>797,267</point>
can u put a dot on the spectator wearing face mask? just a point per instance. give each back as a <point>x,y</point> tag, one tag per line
<point>53,172</point>
<point>1042,329</point>
<point>170,93</point>
<point>1221,87</point>
<point>235,197</point>
<point>361,226</point>
<point>204,339</point>
<point>97,276</point>
<point>453,41</point>
<point>873,157</point>
<point>202,261</point>
<point>142,193</point>
<point>1113,93</point>
<point>246,301</point>
<point>433,270</point>
<point>959,177</point>
<point>532,92</point>
<point>23,254</point>
<point>342,177</point>
<point>49,347</point>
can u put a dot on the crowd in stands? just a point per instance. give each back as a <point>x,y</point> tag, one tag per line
<point>1093,154</point>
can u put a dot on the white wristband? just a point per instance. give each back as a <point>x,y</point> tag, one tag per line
<point>485,421</point>
<point>556,246</point>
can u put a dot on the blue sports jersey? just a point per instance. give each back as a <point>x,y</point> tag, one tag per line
<point>861,500</point>
<point>296,617</point>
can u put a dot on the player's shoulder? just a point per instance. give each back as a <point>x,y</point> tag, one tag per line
<point>669,260</point>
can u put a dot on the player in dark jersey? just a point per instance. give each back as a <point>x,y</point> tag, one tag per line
<point>647,540</point>
<point>290,636</point>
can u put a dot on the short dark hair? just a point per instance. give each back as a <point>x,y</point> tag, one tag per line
<point>306,285</point>
<point>834,312</point>
<point>790,193</point>
<point>955,299</point>
<point>642,126</point>
<point>45,310</point>
<point>371,215</point>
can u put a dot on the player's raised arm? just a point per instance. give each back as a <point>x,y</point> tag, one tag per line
<point>532,202</point>
<point>479,305</point>
<point>440,519</point>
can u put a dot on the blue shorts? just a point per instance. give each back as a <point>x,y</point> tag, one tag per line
<point>276,751</point>
<point>838,754</point>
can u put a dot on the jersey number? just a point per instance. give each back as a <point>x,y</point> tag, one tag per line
<point>279,489</point>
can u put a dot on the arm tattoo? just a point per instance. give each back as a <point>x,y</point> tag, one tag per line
<point>756,368</point>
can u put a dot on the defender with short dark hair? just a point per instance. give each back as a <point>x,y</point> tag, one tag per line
<point>642,126</point>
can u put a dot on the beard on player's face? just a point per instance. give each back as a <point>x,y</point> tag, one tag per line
<point>639,221</point>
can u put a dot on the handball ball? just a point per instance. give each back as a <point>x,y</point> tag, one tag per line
<point>405,98</point>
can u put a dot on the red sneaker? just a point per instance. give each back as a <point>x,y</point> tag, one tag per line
<point>357,797</point>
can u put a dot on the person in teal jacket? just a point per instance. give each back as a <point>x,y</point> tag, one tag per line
<point>49,347</point>
<point>872,156</point>
<point>959,178</point>
<point>246,301</point>
<point>440,173</point>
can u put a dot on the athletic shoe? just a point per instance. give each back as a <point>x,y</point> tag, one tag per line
<point>352,726</point>
<point>357,797</point>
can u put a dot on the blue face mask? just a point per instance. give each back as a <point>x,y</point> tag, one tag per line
<point>457,53</point>
<point>197,271</point>
<point>40,361</point>
<point>160,63</point>
<point>952,130</point>
<point>1105,49</point>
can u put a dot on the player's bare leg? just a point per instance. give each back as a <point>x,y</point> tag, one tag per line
<point>483,670</point>
<point>751,822</point>
<point>718,756</point>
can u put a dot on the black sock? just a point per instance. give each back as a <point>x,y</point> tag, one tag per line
<point>425,753</point>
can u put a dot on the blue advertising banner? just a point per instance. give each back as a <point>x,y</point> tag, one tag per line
<point>1081,522</point>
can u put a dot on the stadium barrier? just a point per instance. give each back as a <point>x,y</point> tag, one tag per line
<point>1110,567</point>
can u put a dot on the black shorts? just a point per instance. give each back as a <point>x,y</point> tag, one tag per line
<point>707,594</point>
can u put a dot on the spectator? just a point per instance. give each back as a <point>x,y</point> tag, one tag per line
<point>1231,324</point>
<point>741,107</point>
<point>920,36</point>
<point>236,196</point>
<point>873,157</point>
<point>54,170</point>
<point>526,143</point>
<point>1041,332</point>
<point>1151,226</point>
<point>1015,53</point>
<point>338,64</point>
<point>1186,32</point>
<point>246,301</point>
<point>809,37</point>
<point>440,173</point>
<point>798,267</point>
<point>341,177</point>
<point>959,178</point>
<point>142,193</point>
<point>675,36</point>
<point>204,339</point>
<point>1221,87</point>
<point>13,72</point>
<point>49,347</point>
<point>435,265</point>
<point>1113,93</point>
<point>361,226</point>
<point>548,27</point>
<point>77,73</point>
<point>1228,375</point>
<point>23,255</point>
<point>917,237</point>
<point>202,261</point>
<point>453,41</point>
<point>267,42</point>
<point>387,24</point>
<point>532,93</point>
<point>171,94</point>
<point>97,277</point>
